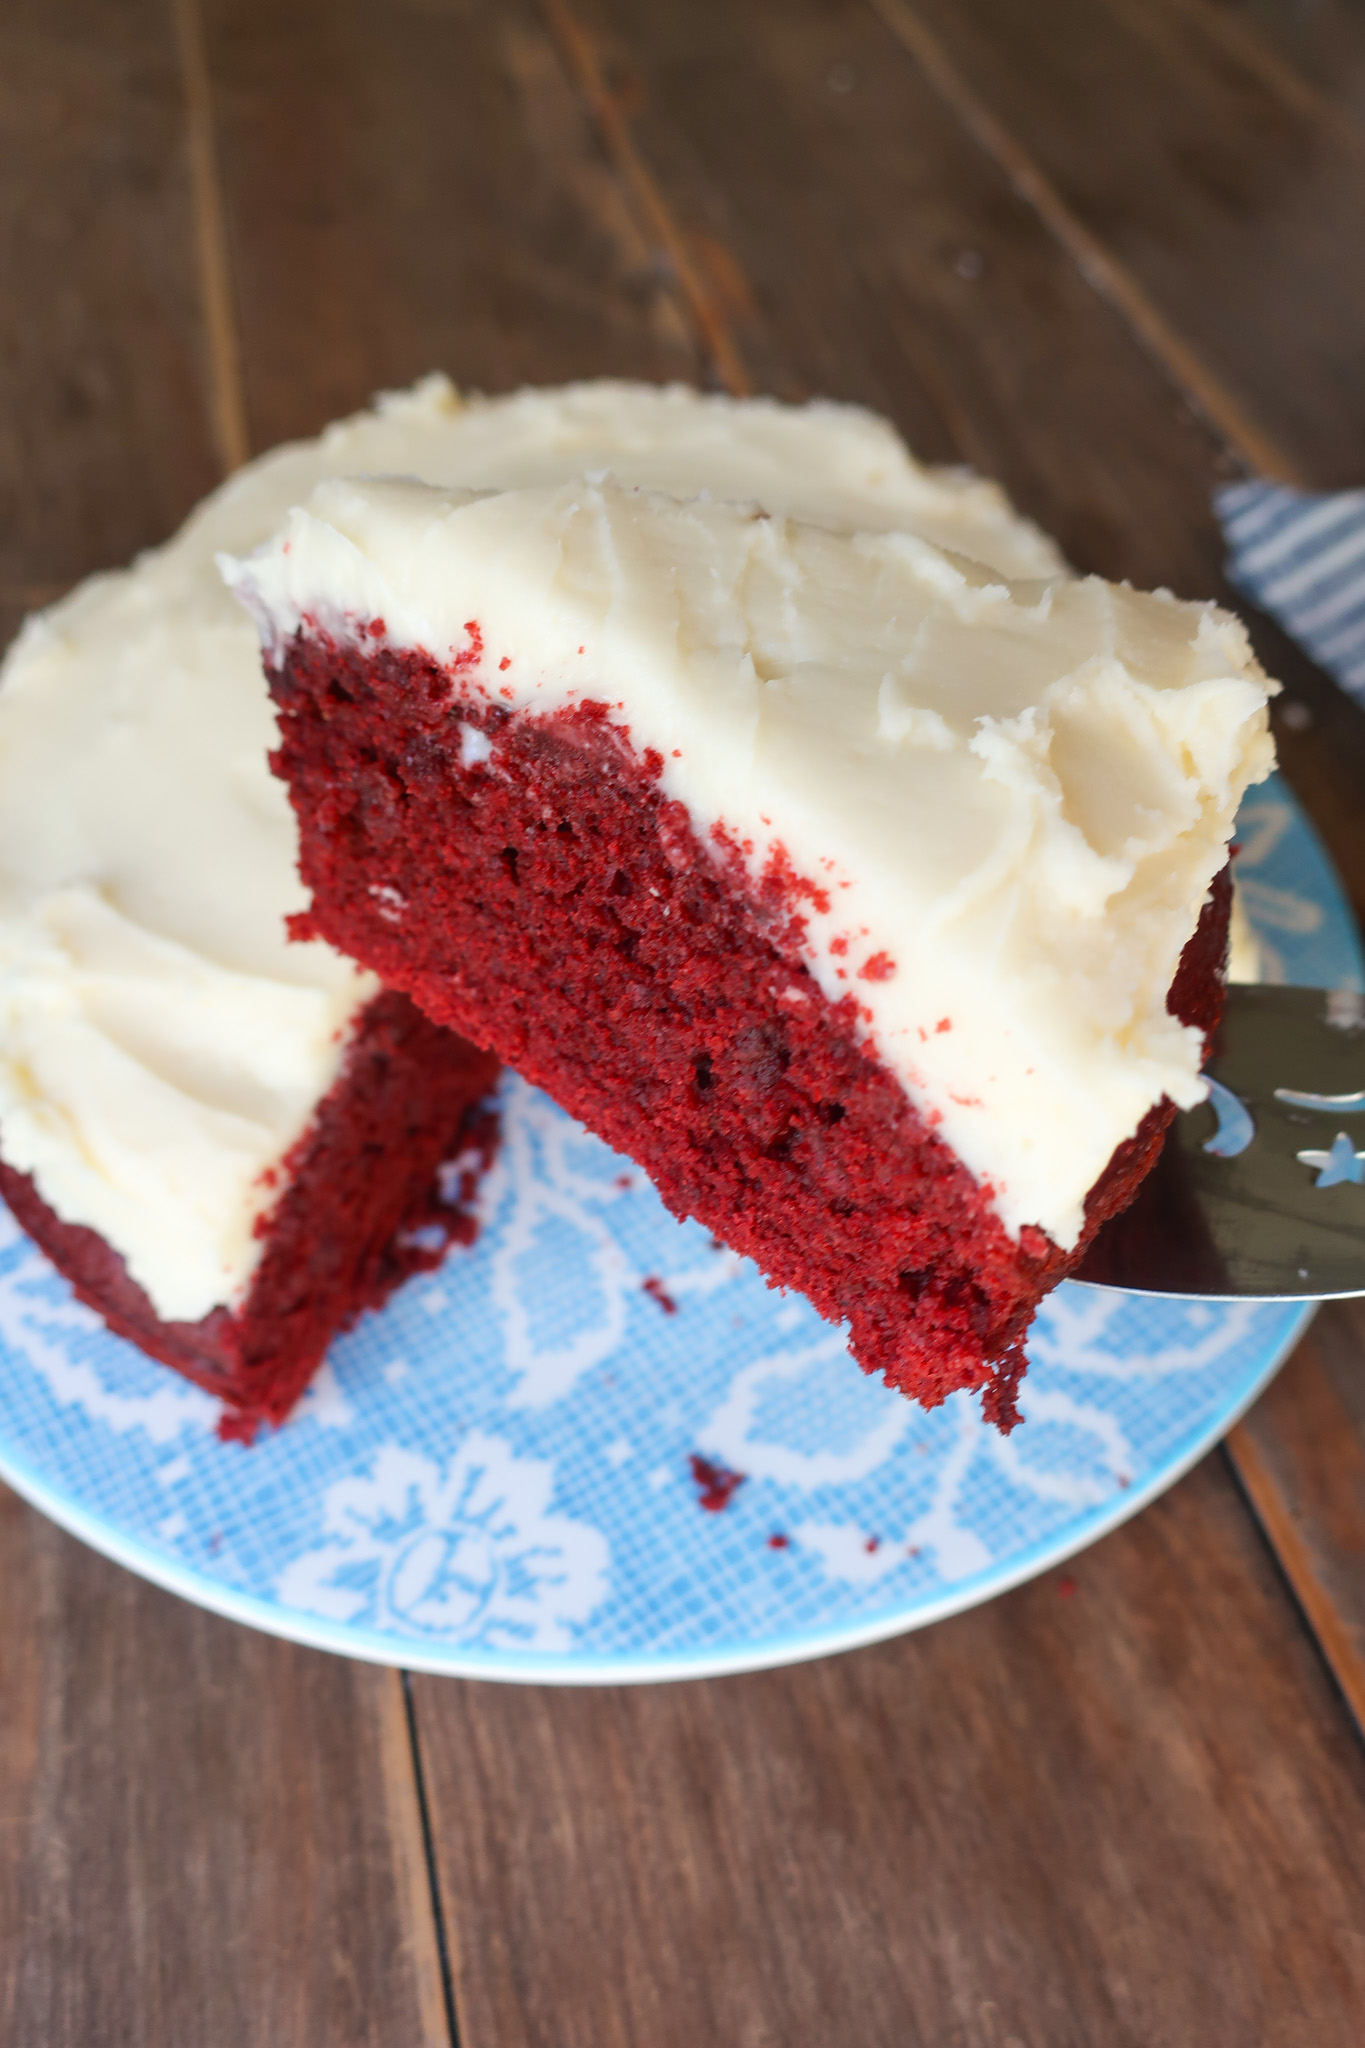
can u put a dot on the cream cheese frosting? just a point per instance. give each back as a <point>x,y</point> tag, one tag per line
<point>1014,794</point>
<point>161,1045</point>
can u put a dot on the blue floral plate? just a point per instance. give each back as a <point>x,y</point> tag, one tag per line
<point>494,1477</point>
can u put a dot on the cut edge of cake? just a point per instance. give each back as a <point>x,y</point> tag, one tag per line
<point>448,823</point>
<point>381,1182</point>
<point>115,940</point>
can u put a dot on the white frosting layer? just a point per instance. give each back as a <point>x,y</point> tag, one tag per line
<point>1017,796</point>
<point>161,1046</point>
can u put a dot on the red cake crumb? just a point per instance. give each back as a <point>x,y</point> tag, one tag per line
<point>362,1208</point>
<point>559,908</point>
<point>718,1483</point>
<point>777,1541</point>
<point>655,1289</point>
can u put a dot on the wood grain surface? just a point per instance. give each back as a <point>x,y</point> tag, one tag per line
<point>1300,1455</point>
<point>206,1836</point>
<point>1119,1806</point>
<point>1097,251</point>
<point>1204,178</point>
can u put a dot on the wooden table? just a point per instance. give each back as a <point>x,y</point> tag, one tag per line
<point>1110,251</point>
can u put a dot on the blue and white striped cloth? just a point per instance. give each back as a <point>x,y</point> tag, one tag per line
<point>1300,556</point>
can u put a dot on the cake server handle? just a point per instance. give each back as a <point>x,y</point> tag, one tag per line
<point>1259,1193</point>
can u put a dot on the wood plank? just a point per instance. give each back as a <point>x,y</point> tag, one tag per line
<point>811,263</point>
<point>1124,1816</point>
<point>1300,1456</point>
<point>1322,42</point>
<point>870,250</point>
<point>878,256</point>
<point>697,294</point>
<point>1096,262</point>
<point>932,1842</point>
<point>205,1835</point>
<point>679,1890</point>
<point>1221,190</point>
<point>226,395</point>
<point>493,324</point>
<point>415,188</point>
<point>102,353</point>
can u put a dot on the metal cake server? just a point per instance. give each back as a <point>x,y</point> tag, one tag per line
<point>1259,1193</point>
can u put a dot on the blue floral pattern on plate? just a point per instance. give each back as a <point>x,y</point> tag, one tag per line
<point>492,1477</point>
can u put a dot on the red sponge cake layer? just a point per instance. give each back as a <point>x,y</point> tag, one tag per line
<point>363,1204</point>
<point>525,879</point>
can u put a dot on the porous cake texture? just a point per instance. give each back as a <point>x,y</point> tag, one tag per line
<point>230,1143</point>
<point>865,892</point>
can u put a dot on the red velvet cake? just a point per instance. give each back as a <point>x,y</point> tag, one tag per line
<point>364,1203</point>
<point>228,1143</point>
<point>871,902</point>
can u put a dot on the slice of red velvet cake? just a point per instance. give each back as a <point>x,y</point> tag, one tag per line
<point>869,901</point>
<point>377,1186</point>
<point>230,1144</point>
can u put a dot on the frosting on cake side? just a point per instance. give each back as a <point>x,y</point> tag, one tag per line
<point>1010,799</point>
<point>161,1045</point>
